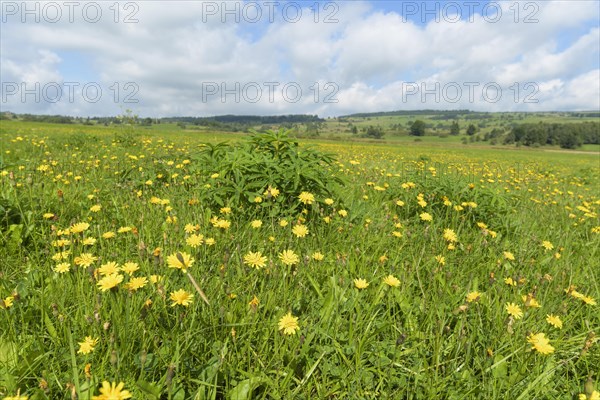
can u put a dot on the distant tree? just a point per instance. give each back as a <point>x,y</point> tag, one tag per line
<point>455,128</point>
<point>570,140</point>
<point>417,128</point>
<point>374,132</point>
<point>471,130</point>
<point>354,130</point>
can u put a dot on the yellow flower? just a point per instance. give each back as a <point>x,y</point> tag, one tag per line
<point>85,260</point>
<point>195,240</point>
<point>426,217</point>
<point>48,215</point>
<point>181,297</point>
<point>96,208</point>
<point>360,283</point>
<point>540,343</point>
<point>108,235</point>
<point>254,302</point>
<point>343,213</point>
<point>595,395</point>
<point>255,260</point>
<point>257,223</point>
<point>8,301</point>
<point>300,230</point>
<point>589,300</point>
<point>450,236</point>
<point>514,310</point>
<point>129,268</point>
<point>258,199</point>
<point>317,256</point>
<point>547,245</point>
<point>288,257</point>
<point>62,268</point>
<point>87,346</point>
<point>210,241</point>
<point>108,269</point>
<point>510,281</point>
<point>509,256</point>
<point>109,282</point>
<point>124,229</point>
<point>112,391</point>
<point>180,261</point>
<point>137,283</point>
<point>306,198</point>
<point>80,227</point>
<point>89,241</point>
<point>289,324</point>
<point>225,210</point>
<point>283,223</point>
<point>329,201</point>
<point>191,228</point>
<point>440,259</point>
<point>392,281</point>
<point>18,396</point>
<point>530,301</point>
<point>473,296</point>
<point>554,320</point>
<point>400,203</point>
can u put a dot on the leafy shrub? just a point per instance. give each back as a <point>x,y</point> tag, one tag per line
<point>268,159</point>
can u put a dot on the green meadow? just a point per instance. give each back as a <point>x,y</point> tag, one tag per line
<point>190,264</point>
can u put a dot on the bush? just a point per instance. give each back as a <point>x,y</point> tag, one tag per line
<point>238,174</point>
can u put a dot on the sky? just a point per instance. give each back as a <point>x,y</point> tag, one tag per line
<point>330,58</point>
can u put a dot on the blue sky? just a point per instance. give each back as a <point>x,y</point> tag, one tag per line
<point>198,58</point>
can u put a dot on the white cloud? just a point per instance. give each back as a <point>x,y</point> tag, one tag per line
<point>175,49</point>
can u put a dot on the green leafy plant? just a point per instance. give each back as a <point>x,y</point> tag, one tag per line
<point>269,159</point>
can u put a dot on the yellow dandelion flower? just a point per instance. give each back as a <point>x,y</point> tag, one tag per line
<point>195,240</point>
<point>425,217</point>
<point>391,281</point>
<point>343,213</point>
<point>137,283</point>
<point>547,245</point>
<point>360,283</point>
<point>124,229</point>
<point>109,282</point>
<point>289,324</point>
<point>510,281</point>
<point>225,210</point>
<point>317,256</point>
<point>540,343</point>
<point>87,346</point>
<point>129,268</point>
<point>108,269</point>
<point>95,208</point>
<point>440,259</point>
<point>257,223</point>
<point>288,257</point>
<point>473,296</point>
<point>108,235</point>
<point>514,310</point>
<point>283,223</point>
<point>210,242</point>
<point>509,256</point>
<point>450,236</point>
<point>306,198</point>
<point>190,228</point>
<point>181,297</point>
<point>255,260</point>
<point>554,320</point>
<point>62,268</point>
<point>329,201</point>
<point>300,230</point>
<point>85,260</point>
<point>48,215</point>
<point>80,227</point>
<point>112,391</point>
<point>180,261</point>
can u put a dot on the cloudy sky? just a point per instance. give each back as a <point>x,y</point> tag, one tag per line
<point>193,58</point>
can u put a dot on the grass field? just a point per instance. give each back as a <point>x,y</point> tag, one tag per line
<point>398,270</point>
